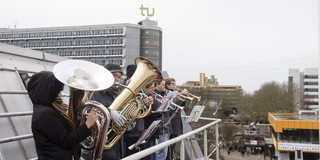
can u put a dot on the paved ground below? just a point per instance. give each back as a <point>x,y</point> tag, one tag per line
<point>235,155</point>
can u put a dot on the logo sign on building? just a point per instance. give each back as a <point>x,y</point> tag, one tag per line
<point>297,146</point>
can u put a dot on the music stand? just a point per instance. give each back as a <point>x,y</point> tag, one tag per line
<point>195,114</point>
<point>146,134</point>
<point>167,101</point>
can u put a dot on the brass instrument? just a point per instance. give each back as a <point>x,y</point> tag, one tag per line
<point>82,77</point>
<point>192,99</point>
<point>126,101</point>
<point>172,106</point>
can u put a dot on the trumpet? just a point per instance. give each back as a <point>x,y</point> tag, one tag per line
<point>172,105</point>
<point>193,100</point>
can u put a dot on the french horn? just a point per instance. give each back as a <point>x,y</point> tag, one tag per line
<point>83,77</point>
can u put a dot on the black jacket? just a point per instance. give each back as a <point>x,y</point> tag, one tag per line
<point>177,128</point>
<point>54,137</point>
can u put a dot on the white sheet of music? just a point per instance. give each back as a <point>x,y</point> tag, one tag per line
<point>195,114</point>
<point>167,101</point>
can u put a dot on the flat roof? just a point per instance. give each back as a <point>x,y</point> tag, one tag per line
<point>280,121</point>
<point>280,116</point>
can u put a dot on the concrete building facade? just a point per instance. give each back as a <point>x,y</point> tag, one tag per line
<point>212,93</point>
<point>101,44</point>
<point>307,83</point>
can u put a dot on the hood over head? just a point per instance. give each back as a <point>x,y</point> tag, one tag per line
<point>44,87</point>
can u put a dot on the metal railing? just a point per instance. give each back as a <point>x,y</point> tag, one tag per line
<point>155,148</point>
<point>15,138</point>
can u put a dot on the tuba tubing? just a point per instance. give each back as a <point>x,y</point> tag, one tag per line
<point>94,144</point>
<point>126,101</point>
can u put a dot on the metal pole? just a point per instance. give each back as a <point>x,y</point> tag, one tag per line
<point>182,154</point>
<point>14,92</point>
<point>217,142</point>
<point>16,138</point>
<point>205,145</point>
<point>12,114</point>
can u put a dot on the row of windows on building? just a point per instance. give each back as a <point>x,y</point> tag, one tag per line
<point>103,62</point>
<point>311,76</point>
<point>310,83</point>
<point>150,32</point>
<point>150,42</point>
<point>311,96</point>
<point>311,103</point>
<point>88,52</point>
<point>66,43</point>
<point>67,33</point>
<point>311,89</point>
<point>150,52</point>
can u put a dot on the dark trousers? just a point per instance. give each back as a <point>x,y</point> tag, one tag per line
<point>130,141</point>
<point>170,155</point>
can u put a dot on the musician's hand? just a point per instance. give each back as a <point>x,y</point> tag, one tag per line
<point>185,92</point>
<point>92,117</point>
<point>117,118</point>
<point>150,100</point>
<point>162,99</point>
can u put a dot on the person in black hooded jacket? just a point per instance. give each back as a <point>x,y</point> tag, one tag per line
<point>54,134</point>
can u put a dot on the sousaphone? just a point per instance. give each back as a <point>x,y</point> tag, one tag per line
<point>83,77</point>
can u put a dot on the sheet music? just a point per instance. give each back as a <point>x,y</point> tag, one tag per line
<point>146,134</point>
<point>195,114</point>
<point>167,101</point>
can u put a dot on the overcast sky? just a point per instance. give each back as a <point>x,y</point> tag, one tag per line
<point>241,42</point>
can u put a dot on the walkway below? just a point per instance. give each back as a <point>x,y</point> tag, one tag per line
<point>235,155</point>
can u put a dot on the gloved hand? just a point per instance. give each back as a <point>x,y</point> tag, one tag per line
<point>117,118</point>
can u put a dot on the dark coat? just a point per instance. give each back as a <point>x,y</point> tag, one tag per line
<point>106,97</point>
<point>54,137</point>
<point>177,128</point>
<point>164,119</point>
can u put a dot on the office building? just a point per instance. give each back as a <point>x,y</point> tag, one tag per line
<point>101,44</point>
<point>307,84</point>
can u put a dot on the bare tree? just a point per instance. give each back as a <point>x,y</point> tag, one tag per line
<point>271,97</point>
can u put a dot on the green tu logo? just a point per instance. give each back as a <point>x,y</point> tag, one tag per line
<point>148,14</point>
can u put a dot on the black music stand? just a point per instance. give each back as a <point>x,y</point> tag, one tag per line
<point>146,134</point>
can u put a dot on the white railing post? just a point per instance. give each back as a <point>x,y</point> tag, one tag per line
<point>205,147</point>
<point>217,142</point>
<point>182,155</point>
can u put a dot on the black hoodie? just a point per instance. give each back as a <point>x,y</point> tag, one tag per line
<point>54,137</point>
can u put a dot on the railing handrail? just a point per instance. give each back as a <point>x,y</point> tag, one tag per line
<point>15,138</point>
<point>155,148</point>
<point>13,114</point>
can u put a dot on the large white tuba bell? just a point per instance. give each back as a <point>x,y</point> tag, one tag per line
<point>83,77</point>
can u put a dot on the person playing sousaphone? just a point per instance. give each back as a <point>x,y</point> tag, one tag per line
<point>54,133</point>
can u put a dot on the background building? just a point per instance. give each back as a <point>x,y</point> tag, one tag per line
<point>101,44</point>
<point>295,135</point>
<point>212,93</point>
<point>307,83</point>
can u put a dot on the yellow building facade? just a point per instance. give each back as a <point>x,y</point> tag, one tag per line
<point>295,135</point>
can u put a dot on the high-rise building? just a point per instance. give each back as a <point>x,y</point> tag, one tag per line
<point>307,84</point>
<point>101,44</point>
